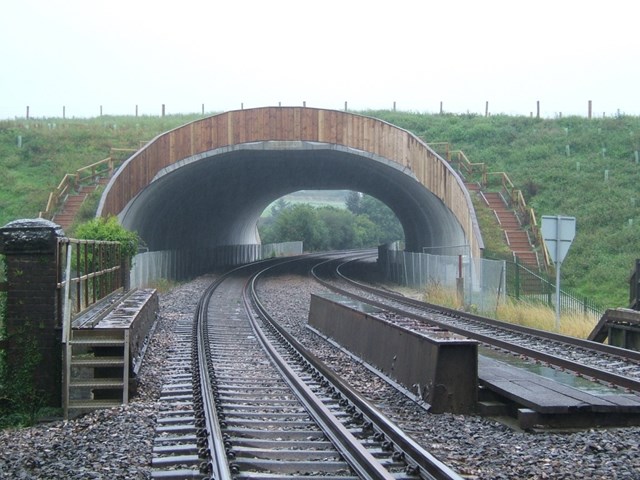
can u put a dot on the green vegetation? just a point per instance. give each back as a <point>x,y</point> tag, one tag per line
<point>366,223</point>
<point>20,401</point>
<point>530,315</point>
<point>109,229</point>
<point>35,154</point>
<point>570,166</point>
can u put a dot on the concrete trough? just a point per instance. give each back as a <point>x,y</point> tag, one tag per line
<point>442,366</point>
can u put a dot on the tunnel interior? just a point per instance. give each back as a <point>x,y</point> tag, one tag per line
<point>216,198</point>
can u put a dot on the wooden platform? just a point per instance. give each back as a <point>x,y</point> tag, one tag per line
<point>621,326</point>
<point>541,401</point>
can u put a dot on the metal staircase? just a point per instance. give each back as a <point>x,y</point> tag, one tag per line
<point>97,369</point>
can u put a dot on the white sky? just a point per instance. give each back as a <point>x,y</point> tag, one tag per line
<point>82,54</point>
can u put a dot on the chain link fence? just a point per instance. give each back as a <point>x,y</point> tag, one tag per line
<point>479,284</point>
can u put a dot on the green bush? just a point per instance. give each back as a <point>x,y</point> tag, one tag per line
<point>109,229</point>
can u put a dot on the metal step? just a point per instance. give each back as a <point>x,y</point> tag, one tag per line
<point>93,404</point>
<point>97,362</point>
<point>102,383</point>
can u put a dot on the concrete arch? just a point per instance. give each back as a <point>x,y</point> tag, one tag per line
<point>206,183</point>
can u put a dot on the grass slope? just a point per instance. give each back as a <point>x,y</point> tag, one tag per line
<point>36,154</point>
<point>595,179</point>
<point>569,166</point>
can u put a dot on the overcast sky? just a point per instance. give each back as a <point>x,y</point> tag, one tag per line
<point>83,54</point>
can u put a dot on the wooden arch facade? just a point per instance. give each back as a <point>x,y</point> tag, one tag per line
<point>350,130</point>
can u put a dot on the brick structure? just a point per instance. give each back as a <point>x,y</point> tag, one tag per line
<point>33,323</point>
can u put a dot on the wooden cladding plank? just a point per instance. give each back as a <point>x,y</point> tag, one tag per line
<point>296,126</point>
<point>334,124</point>
<point>305,125</point>
<point>201,140</point>
<point>229,140</point>
<point>239,134</point>
<point>222,131</point>
<point>320,130</point>
<point>256,125</point>
<point>191,139</point>
<point>273,119</point>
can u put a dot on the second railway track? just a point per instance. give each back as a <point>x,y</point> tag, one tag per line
<point>599,361</point>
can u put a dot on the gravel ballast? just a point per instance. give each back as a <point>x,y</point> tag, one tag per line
<point>475,447</point>
<point>117,443</point>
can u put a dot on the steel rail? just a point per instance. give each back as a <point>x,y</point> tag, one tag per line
<point>578,342</point>
<point>421,461</point>
<point>593,372</point>
<point>215,452</point>
<point>358,457</point>
<point>218,465</point>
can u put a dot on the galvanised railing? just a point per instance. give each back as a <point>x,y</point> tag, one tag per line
<point>525,285</point>
<point>88,271</point>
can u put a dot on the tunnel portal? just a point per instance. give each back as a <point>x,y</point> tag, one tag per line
<point>206,184</point>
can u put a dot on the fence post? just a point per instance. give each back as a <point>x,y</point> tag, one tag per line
<point>125,272</point>
<point>33,323</point>
<point>460,282</point>
<point>517,279</point>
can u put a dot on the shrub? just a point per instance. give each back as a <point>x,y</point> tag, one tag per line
<point>109,229</point>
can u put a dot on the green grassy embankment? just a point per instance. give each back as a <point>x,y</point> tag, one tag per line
<point>570,166</point>
<point>584,168</point>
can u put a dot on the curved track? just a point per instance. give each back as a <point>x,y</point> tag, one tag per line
<point>603,362</point>
<point>261,406</point>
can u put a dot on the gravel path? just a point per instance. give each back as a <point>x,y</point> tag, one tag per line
<point>117,443</point>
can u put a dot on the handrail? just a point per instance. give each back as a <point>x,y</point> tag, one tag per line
<point>93,168</point>
<point>434,145</point>
<point>516,198</point>
<point>68,183</point>
<point>465,163</point>
<point>526,213</point>
<point>94,268</point>
<point>72,181</point>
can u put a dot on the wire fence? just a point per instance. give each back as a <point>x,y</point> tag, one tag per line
<point>178,265</point>
<point>480,284</point>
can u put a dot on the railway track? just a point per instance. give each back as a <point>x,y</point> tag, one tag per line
<point>244,400</point>
<point>605,363</point>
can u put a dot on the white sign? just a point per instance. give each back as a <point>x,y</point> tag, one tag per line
<point>558,233</point>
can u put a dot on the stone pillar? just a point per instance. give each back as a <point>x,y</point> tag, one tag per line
<point>33,325</point>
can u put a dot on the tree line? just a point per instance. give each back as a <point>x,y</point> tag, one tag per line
<point>365,222</point>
